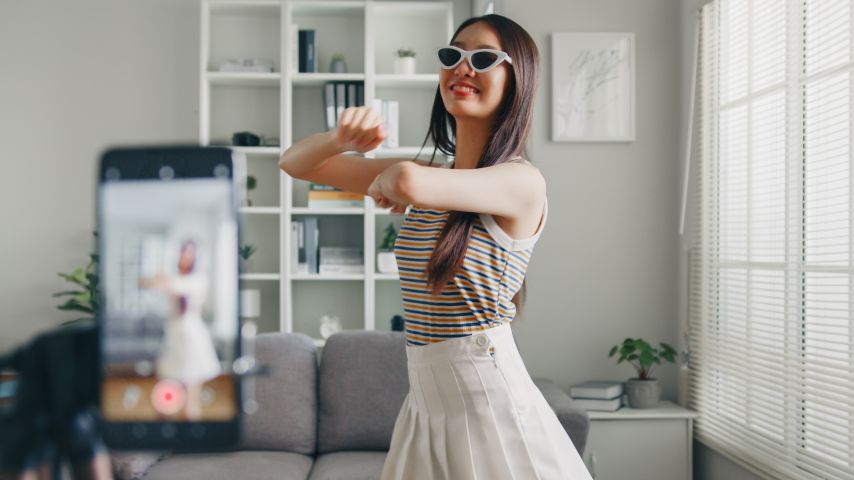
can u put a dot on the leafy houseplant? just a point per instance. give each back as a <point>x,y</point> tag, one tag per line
<point>386,262</point>
<point>251,183</point>
<point>246,252</point>
<point>85,280</point>
<point>404,63</point>
<point>338,65</point>
<point>644,391</point>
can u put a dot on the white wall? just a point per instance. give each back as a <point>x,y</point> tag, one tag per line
<point>76,77</point>
<point>605,268</point>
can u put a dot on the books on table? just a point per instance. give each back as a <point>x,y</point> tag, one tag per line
<point>600,395</point>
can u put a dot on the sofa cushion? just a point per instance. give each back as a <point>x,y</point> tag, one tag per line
<point>575,420</point>
<point>287,398</point>
<point>348,466</point>
<point>231,465</point>
<point>362,382</point>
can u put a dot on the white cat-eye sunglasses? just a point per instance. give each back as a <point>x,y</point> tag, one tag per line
<point>481,60</point>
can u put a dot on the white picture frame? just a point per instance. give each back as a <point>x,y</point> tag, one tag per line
<point>593,87</point>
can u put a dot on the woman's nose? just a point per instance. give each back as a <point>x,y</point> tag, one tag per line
<point>464,67</point>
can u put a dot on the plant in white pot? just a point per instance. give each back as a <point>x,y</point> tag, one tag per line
<point>386,263</point>
<point>404,63</point>
<point>643,391</point>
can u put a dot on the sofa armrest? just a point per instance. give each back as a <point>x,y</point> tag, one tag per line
<point>575,420</point>
<point>133,465</point>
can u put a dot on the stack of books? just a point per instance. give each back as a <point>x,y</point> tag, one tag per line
<point>389,110</point>
<point>598,395</point>
<point>341,260</point>
<point>338,95</point>
<point>320,195</point>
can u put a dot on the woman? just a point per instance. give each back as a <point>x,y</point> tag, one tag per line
<point>187,354</point>
<point>472,411</point>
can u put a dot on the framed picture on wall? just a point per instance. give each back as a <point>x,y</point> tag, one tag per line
<point>593,87</point>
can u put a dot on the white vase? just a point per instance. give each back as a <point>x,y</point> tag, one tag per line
<point>404,65</point>
<point>386,263</point>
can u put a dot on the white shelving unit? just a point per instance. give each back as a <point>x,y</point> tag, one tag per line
<point>288,105</point>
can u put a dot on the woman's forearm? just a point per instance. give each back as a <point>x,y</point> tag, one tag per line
<point>309,153</point>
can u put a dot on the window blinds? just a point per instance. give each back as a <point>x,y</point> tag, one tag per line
<point>771,290</point>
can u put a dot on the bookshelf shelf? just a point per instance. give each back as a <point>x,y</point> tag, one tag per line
<point>260,276</point>
<point>288,105</point>
<point>327,276</point>
<point>261,210</point>
<point>317,79</point>
<point>327,211</point>
<point>254,150</point>
<point>270,79</point>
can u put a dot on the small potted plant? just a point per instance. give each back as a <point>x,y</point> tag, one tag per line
<point>386,263</point>
<point>338,65</point>
<point>246,252</point>
<point>404,63</point>
<point>643,391</point>
<point>251,183</point>
<point>84,297</point>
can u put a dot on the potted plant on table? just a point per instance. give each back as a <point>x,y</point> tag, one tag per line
<point>386,263</point>
<point>643,391</point>
<point>404,63</point>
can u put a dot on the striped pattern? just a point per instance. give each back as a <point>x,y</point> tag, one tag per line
<point>477,298</point>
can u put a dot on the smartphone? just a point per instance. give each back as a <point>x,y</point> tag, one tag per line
<point>168,323</point>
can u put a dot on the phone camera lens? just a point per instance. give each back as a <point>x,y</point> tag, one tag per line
<point>167,173</point>
<point>220,170</point>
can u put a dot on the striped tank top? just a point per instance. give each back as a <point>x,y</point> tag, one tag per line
<point>480,294</point>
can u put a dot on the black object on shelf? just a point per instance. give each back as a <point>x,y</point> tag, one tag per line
<point>245,139</point>
<point>397,323</point>
<point>307,52</point>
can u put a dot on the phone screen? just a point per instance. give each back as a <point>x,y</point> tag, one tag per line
<point>168,241</point>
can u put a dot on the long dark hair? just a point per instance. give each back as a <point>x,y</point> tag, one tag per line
<point>506,140</point>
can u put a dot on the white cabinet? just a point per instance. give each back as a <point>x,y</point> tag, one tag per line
<point>641,444</point>
<point>288,105</point>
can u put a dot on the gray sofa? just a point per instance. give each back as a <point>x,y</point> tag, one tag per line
<point>320,422</point>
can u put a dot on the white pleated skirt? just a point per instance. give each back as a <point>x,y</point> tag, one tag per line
<point>473,412</point>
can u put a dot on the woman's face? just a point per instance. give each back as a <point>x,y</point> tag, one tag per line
<point>187,258</point>
<point>489,85</point>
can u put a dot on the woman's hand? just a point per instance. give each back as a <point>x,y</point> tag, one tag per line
<point>376,191</point>
<point>360,129</point>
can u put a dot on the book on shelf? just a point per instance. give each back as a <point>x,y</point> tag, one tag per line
<point>341,260</point>
<point>389,111</point>
<point>596,389</point>
<point>599,405</point>
<point>338,95</point>
<point>328,196</point>
<point>306,237</point>
<point>298,263</point>
<point>307,51</point>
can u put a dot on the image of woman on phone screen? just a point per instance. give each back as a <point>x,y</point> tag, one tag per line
<point>472,410</point>
<point>187,354</point>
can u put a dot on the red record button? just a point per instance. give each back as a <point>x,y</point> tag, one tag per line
<point>168,397</point>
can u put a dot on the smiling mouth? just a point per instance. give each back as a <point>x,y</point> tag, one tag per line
<point>462,89</point>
